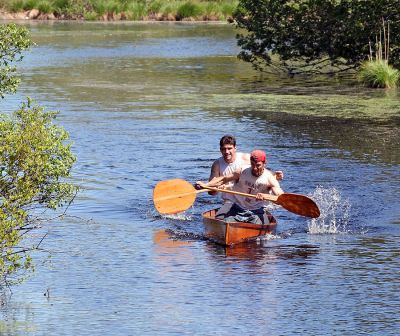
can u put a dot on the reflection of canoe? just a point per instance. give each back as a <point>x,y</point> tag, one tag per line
<point>229,233</point>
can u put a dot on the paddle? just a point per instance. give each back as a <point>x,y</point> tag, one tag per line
<point>173,196</point>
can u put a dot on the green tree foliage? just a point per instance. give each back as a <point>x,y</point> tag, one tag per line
<point>314,35</point>
<point>35,162</point>
<point>13,40</point>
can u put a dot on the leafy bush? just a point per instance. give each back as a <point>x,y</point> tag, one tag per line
<point>34,161</point>
<point>14,39</point>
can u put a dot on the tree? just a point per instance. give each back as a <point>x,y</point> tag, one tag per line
<point>13,40</point>
<point>35,162</point>
<point>314,36</point>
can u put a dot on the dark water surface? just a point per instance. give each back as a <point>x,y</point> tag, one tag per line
<point>149,102</point>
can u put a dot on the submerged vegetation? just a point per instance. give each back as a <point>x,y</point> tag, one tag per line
<point>175,10</point>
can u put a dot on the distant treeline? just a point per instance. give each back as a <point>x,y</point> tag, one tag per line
<point>160,10</point>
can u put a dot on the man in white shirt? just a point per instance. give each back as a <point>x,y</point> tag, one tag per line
<point>231,161</point>
<point>255,179</point>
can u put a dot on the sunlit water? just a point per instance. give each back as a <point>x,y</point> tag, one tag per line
<point>149,102</point>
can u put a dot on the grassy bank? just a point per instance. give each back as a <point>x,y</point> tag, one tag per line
<point>160,10</point>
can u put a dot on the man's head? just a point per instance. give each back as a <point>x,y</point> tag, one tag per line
<point>227,146</point>
<point>258,159</point>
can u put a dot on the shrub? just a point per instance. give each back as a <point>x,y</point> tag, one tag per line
<point>14,40</point>
<point>34,161</point>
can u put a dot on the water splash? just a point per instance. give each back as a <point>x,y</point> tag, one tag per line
<point>335,212</point>
<point>181,216</point>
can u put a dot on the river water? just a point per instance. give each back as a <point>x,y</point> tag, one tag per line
<point>149,102</point>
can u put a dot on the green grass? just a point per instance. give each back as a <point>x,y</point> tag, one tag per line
<point>133,9</point>
<point>190,9</point>
<point>379,74</point>
<point>15,6</point>
<point>45,7</point>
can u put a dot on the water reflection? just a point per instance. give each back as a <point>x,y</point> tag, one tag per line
<point>348,134</point>
<point>165,241</point>
<point>262,250</point>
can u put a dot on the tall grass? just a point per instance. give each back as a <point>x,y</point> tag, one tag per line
<point>377,72</point>
<point>131,9</point>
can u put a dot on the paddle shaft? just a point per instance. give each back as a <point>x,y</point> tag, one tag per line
<point>298,204</point>
<point>168,197</point>
<point>177,195</point>
<point>273,198</point>
<point>267,197</point>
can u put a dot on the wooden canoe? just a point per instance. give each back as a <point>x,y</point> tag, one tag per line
<point>230,233</point>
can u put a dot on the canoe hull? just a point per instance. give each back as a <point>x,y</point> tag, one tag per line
<point>230,233</point>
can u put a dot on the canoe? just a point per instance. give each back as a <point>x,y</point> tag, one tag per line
<point>230,233</point>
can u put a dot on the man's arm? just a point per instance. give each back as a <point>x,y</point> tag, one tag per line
<point>214,173</point>
<point>275,187</point>
<point>220,180</point>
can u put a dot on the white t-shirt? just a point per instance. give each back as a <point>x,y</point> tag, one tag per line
<point>226,169</point>
<point>250,184</point>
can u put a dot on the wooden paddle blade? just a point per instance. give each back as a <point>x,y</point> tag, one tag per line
<point>299,204</point>
<point>173,196</point>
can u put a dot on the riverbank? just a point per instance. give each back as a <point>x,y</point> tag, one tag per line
<point>35,14</point>
<point>117,10</point>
